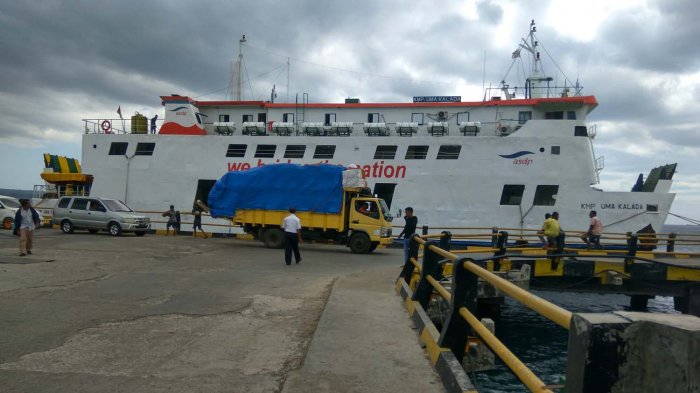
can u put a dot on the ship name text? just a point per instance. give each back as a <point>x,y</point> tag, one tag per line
<point>376,170</point>
<point>612,206</point>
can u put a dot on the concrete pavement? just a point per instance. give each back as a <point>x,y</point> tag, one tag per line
<point>93,313</point>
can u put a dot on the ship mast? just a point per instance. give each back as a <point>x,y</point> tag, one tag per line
<point>238,71</point>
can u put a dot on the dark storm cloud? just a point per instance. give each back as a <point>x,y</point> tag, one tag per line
<point>489,12</point>
<point>666,44</point>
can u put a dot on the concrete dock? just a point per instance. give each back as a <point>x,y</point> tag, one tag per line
<point>94,313</point>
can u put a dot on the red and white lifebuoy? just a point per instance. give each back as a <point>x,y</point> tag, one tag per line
<point>106,126</point>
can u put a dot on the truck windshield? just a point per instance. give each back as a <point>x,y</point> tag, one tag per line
<point>385,210</point>
<point>116,206</point>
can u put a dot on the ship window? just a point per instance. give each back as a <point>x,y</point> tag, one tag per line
<point>385,152</point>
<point>449,152</point>
<point>295,151</point>
<point>556,150</point>
<point>145,149</point>
<point>571,115</point>
<point>462,117</point>
<point>236,150</point>
<point>524,116</point>
<point>224,118</point>
<point>80,204</point>
<point>265,151</point>
<point>328,119</point>
<point>118,148</point>
<point>545,195</point>
<point>373,118</point>
<point>324,151</point>
<point>512,194</point>
<point>652,208</point>
<point>288,117</point>
<point>554,115</point>
<point>417,152</point>
<point>417,118</point>
<point>580,131</point>
<point>247,118</point>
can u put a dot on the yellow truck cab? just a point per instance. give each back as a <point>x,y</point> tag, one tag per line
<point>332,202</point>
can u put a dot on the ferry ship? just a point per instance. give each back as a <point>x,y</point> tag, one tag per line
<point>502,161</point>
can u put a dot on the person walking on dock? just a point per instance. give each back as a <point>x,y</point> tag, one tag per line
<point>408,230</point>
<point>595,230</point>
<point>292,233</point>
<point>26,222</point>
<point>551,229</point>
<point>197,222</point>
<point>173,221</point>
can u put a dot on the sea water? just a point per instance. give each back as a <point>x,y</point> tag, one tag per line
<point>541,344</point>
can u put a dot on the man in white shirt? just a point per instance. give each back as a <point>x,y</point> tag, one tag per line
<point>292,232</point>
<point>26,221</point>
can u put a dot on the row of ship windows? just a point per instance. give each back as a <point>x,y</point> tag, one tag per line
<point>523,117</point>
<point>545,195</point>
<point>383,152</point>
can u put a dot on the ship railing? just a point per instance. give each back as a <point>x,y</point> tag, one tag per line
<point>528,92</point>
<point>110,126</point>
<point>431,264</point>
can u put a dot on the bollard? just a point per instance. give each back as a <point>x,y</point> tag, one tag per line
<point>408,267</point>
<point>632,244</point>
<point>445,240</point>
<point>431,268</point>
<point>632,352</point>
<point>425,230</point>
<point>501,245</point>
<point>671,242</point>
<point>455,331</point>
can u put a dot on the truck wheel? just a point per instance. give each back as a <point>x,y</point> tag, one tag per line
<point>359,243</point>
<point>273,238</point>
<point>67,226</point>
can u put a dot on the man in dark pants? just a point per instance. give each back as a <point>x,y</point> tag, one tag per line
<point>408,230</point>
<point>292,232</point>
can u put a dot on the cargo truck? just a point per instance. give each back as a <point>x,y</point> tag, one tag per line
<point>332,203</point>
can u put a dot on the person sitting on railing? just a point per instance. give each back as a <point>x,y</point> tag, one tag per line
<point>551,229</point>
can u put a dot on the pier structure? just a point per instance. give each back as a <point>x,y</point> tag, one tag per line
<point>607,352</point>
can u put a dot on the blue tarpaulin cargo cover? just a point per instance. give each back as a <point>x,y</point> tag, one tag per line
<point>317,188</point>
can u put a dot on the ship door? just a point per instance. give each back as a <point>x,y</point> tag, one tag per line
<point>203,188</point>
<point>262,117</point>
<point>385,191</point>
<point>329,118</point>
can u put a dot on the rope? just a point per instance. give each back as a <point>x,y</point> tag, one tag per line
<point>690,220</point>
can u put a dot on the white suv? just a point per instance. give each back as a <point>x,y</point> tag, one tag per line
<point>8,208</point>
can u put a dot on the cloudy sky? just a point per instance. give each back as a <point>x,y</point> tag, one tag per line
<point>63,61</point>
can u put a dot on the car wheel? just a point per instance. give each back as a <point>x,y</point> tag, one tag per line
<point>114,229</point>
<point>140,233</point>
<point>359,243</point>
<point>67,226</point>
<point>273,238</point>
<point>7,223</point>
<point>92,230</point>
